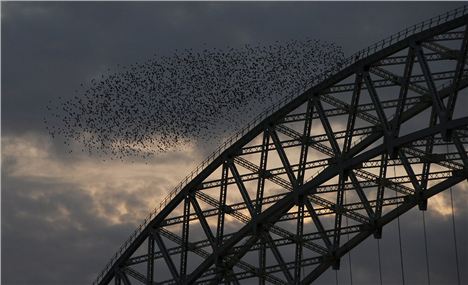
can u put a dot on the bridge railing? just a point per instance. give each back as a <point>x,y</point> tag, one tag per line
<point>409,31</point>
<point>427,24</point>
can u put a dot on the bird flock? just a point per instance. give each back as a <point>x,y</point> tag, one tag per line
<point>168,102</point>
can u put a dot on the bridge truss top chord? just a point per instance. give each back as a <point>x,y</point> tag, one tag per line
<point>269,204</point>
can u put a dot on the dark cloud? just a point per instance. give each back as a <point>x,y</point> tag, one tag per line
<point>56,46</point>
<point>47,234</point>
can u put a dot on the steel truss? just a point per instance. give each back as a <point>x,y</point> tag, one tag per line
<point>271,206</point>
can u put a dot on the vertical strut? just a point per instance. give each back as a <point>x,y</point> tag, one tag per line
<point>460,149</point>
<point>352,113</point>
<point>403,91</point>
<point>185,238</point>
<point>438,104</point>
<point>221,212</point>
<point>222,205</point>
<point>458,75</point>
<point>299,233</point>
<point>339,196</point>
<point>305,142</point>
<point>339,209</point>
<point>262,171</point>
<point>380,191</point>
<point>258,207</point>
<point>150,263</point>
<point>413,179</point>
<point>384,157</point>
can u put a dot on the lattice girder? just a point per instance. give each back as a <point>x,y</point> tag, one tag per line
<point>272,206</point>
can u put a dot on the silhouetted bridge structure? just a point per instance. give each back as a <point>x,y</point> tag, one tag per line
<point>366,145</point>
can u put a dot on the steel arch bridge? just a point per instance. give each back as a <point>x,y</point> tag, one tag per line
<point>344,158</point>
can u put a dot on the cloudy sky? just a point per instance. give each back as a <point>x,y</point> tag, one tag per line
<point>64,215</point>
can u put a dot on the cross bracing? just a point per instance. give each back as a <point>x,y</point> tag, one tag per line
<point>367,144</point>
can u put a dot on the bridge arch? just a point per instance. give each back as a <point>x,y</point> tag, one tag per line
<point>278,187</point>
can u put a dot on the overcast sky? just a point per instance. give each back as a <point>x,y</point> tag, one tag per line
<point>64,215</point>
